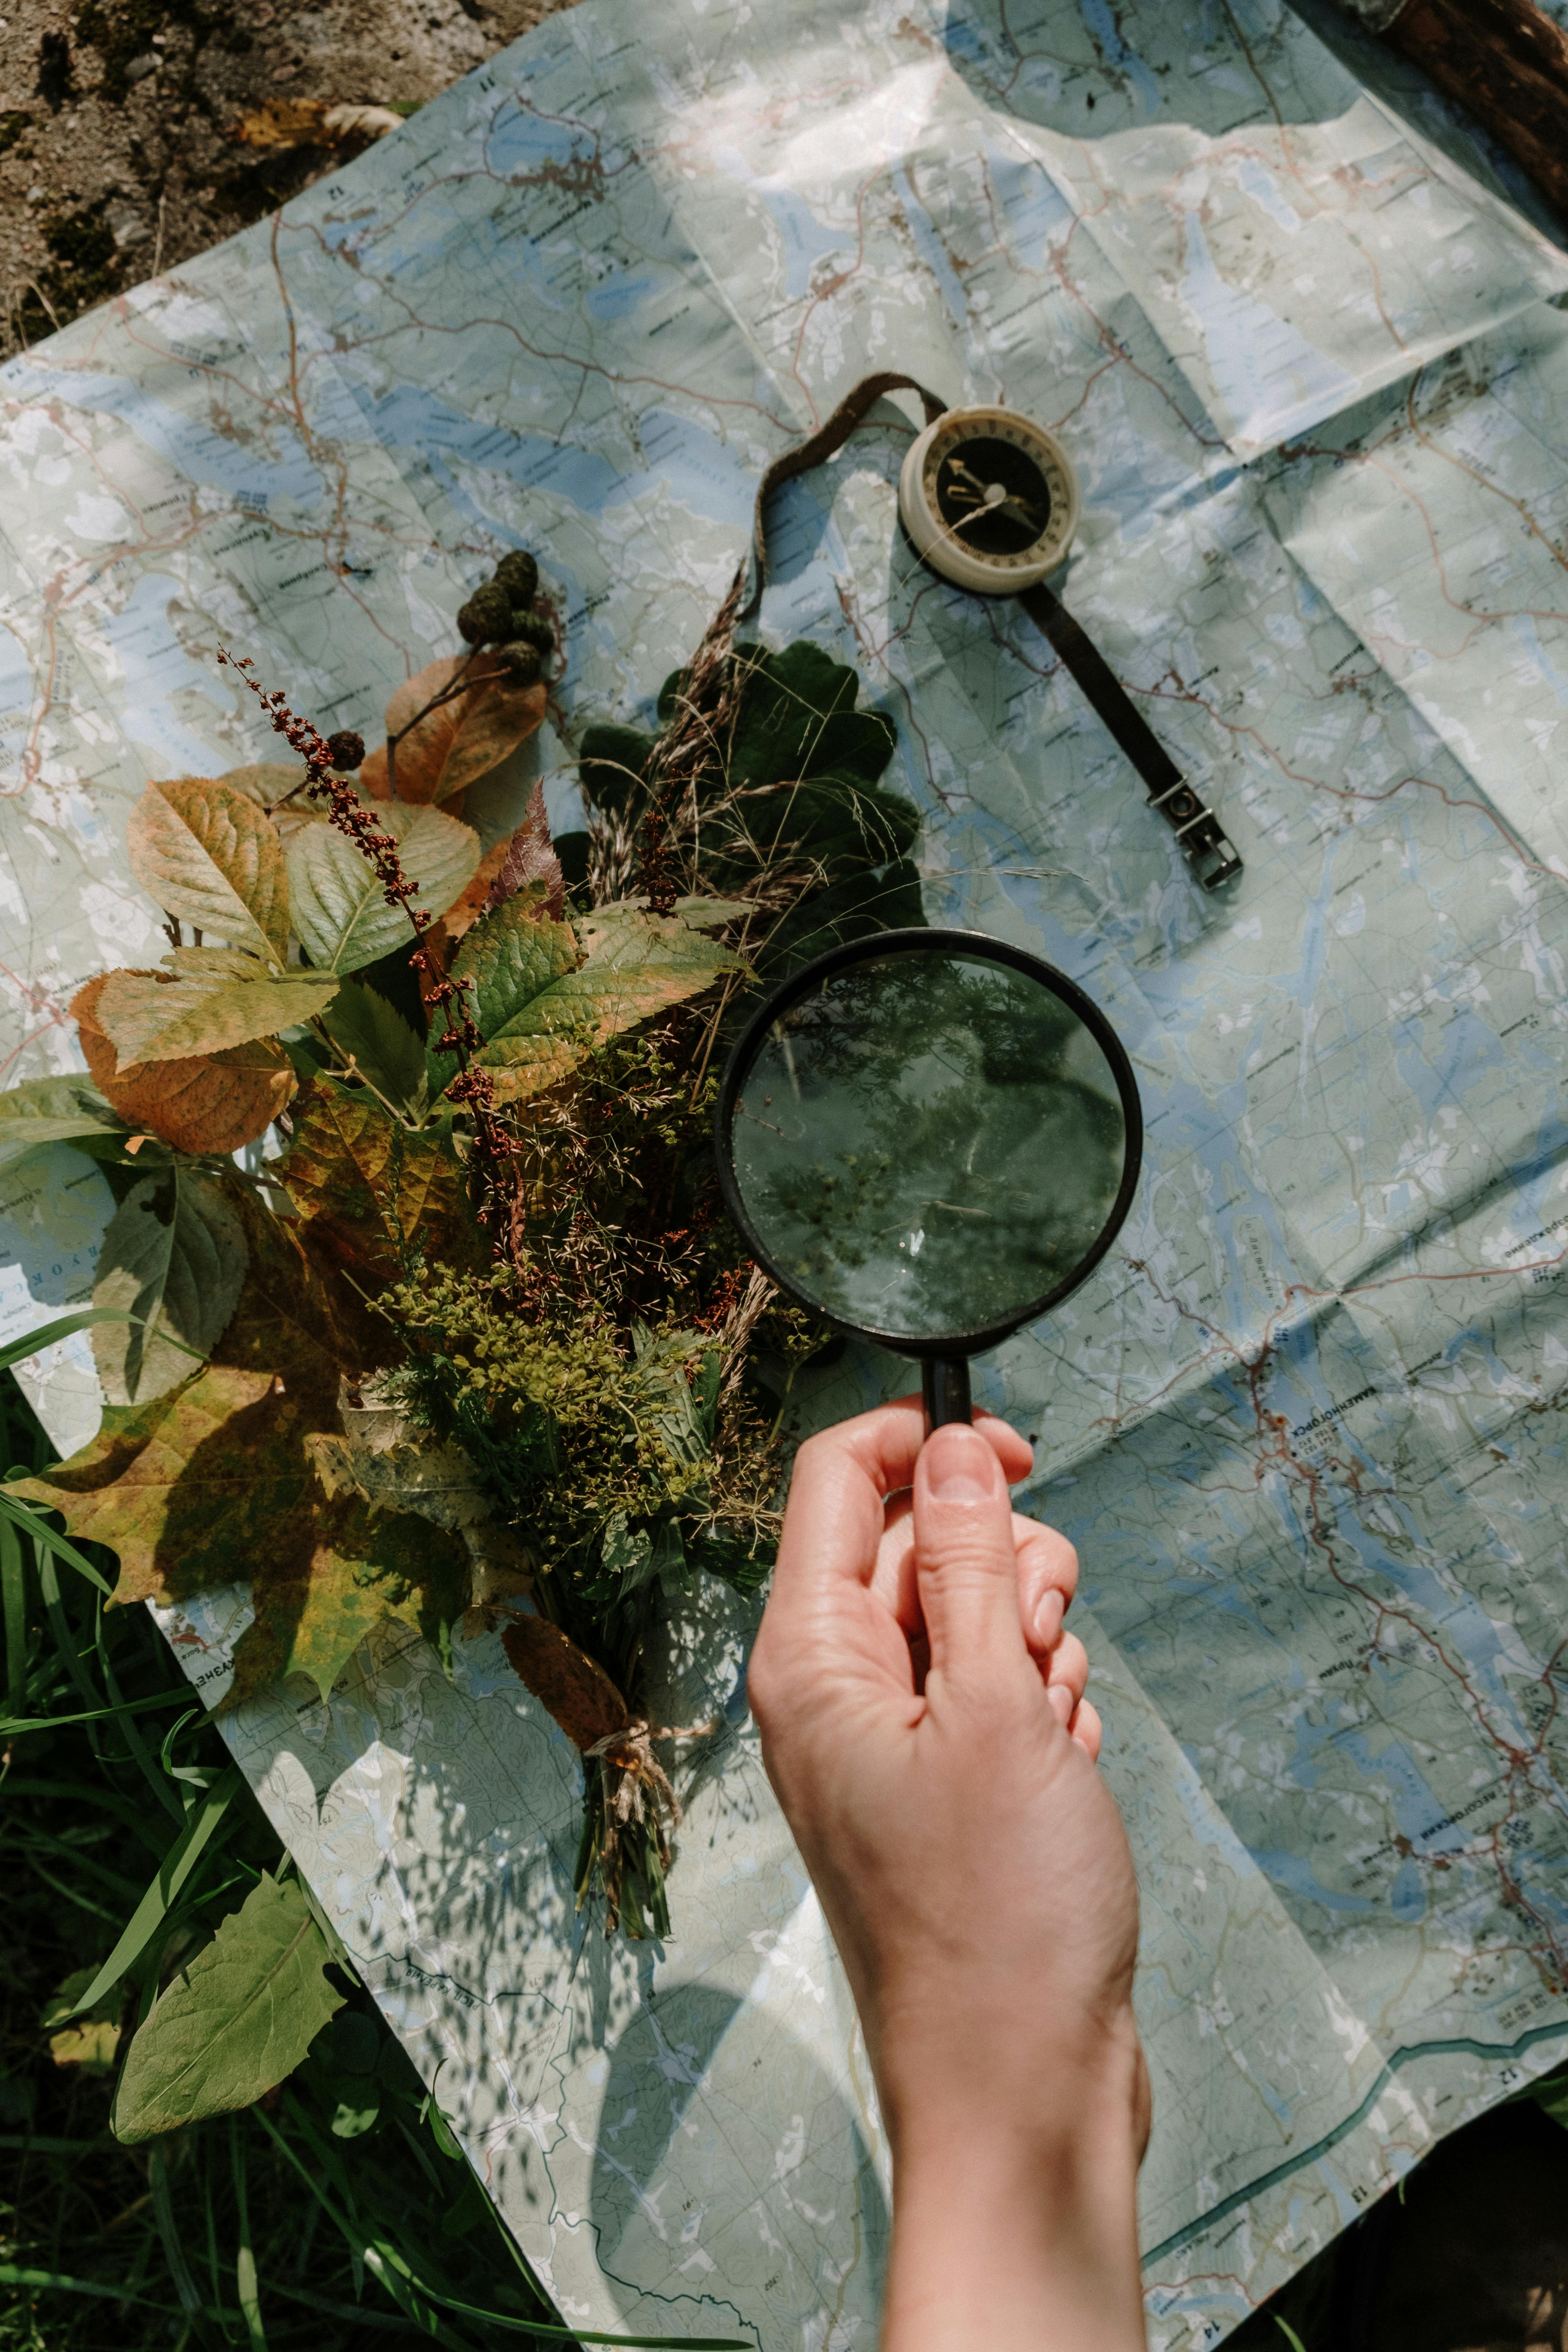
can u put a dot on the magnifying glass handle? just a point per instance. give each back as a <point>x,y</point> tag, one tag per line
<point>944,1384</point>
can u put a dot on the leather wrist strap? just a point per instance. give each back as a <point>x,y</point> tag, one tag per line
<point>1213,859</point>
<point>823,443</point>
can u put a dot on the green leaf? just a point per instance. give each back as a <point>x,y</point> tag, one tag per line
<point>176,1868</point>
<point>174,1258</point>
<point>148,1018</point>
<point>54,1111</point>
<point>211,963</point>
<point>713,914</point>
<point>542,1008</point>
<point>384,1049</point>
<point>340,908</point>
<point>20,1136</point>
<point>235,2023</point>
<point>372,1191</point>
<point>798,785</point>
<point>213,860</point>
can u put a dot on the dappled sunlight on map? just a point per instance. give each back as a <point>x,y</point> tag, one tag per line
<point>1305,1422</point>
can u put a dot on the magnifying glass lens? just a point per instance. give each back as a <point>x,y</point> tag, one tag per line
<point>929,1145</point>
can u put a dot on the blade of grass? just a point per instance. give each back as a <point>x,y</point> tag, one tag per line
<point>354,2239</point>
<point>66,1640</point>
<point>13,1578</point>
<point>35,1523</point>
<point>64,1327</point>
<point>31,1833</point>
<point>11,2276</point>
<point>1289,2334</point>
<point>245,2280</point>
<point>14,2274</point>
<point>83,1793</point>
<point>168,2229</point>
<point>13,1729</point>
<point>383,2322</point>
<point>72,1893</point>
<point>206,1822</point>
<point>157,1781</point>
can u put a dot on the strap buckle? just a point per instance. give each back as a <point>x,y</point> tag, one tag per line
<point>1207,849</point>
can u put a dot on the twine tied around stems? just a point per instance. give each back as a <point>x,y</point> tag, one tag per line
<point>636,1787</point>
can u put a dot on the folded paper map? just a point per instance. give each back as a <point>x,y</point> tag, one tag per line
<point>1306,1422</point>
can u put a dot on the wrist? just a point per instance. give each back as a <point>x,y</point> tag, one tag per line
<point>1013,2232</point>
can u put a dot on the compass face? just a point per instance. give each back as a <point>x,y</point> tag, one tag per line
<point>989,499</point>
<point>992,496</point>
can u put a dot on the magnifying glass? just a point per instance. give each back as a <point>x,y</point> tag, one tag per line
<point>929,1138</point>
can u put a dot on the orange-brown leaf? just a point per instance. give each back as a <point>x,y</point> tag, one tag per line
<point>451,748</point>
<point>465,912</point>
<point>575,1688</point>
<point>205,1102</point>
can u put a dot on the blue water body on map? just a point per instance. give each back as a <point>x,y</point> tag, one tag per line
<point>617,297</point>
<point>15,684</point>
<point>1524,628</point>
<point>930,249</point>
<point>806,240</point>
<point>155,668</point>
<point>1030,201</point>
<point>192,448</point>
<point>1407,1896</point>
<point>1264,189</point>
<point>961,40</point>
<point>1105,24</point>
<point>522,144</point>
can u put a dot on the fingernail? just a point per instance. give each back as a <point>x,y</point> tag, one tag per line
<point>1062,1699</point>
<point>1049,1611</point>
<point>960,1467</point>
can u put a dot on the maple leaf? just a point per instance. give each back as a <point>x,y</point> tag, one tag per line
<point>375,1191</point>
<point>192,1488</point>
<point>315,1607</point>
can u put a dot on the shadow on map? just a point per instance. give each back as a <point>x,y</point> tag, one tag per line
<point>758,2116</point>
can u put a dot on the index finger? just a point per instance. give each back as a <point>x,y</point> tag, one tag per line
<point>842,1477</point>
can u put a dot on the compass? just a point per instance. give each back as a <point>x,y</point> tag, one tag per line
<point>989,499</point>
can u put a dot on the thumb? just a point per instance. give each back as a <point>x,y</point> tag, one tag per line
<point>964,1554</point>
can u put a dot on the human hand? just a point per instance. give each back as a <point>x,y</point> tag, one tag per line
<point>974,1870</point>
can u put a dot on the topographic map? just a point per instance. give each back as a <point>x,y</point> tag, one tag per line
<point>1306,1422</point>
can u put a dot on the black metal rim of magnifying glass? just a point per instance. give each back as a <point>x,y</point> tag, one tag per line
<point>978,944</point>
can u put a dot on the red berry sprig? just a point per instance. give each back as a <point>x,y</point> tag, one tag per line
<point>472,1087</point>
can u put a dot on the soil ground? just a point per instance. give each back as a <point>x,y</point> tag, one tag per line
<point>118,158</point>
